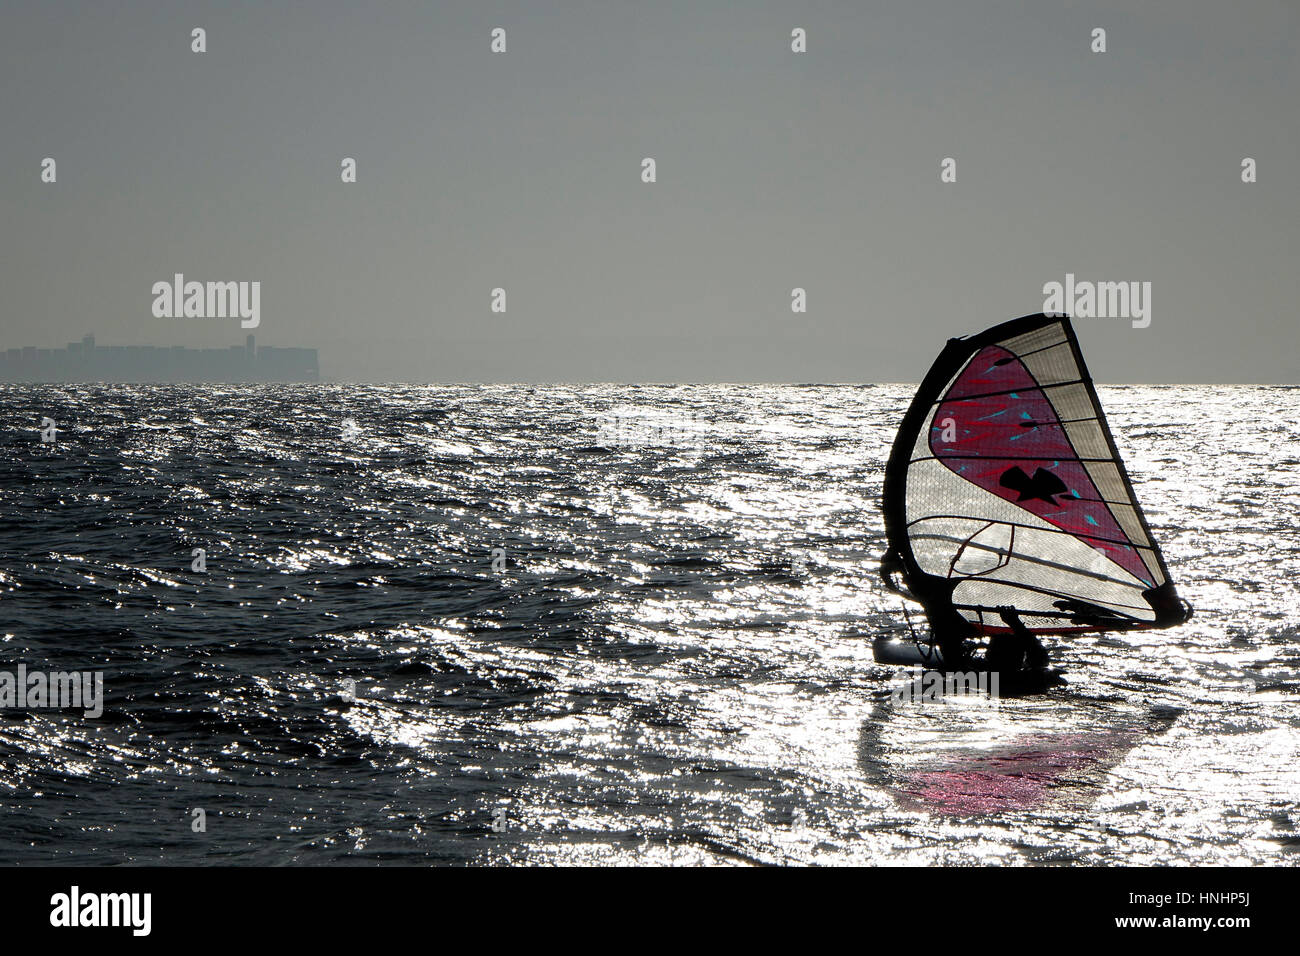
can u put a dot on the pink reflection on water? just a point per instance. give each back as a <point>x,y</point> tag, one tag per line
<point>1062,768</point>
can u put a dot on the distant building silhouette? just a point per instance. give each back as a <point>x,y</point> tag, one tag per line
<point>86,362</point>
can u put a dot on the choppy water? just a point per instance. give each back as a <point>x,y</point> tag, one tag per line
<point>669,662</point>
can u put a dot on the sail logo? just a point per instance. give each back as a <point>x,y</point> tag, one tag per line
<point>76,909</point>
<point>933,687</point>
<point>179,299</point>
<point>1100,300</point>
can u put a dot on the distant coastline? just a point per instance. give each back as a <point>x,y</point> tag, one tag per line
<point>85,361</point>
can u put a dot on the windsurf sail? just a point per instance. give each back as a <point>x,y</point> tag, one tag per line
<point>1004,489</point>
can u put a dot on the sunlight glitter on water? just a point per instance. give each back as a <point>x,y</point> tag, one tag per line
<point>673,661</point>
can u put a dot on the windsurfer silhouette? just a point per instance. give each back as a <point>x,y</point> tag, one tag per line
<point>1009,653</point>
<point>1018,651</point>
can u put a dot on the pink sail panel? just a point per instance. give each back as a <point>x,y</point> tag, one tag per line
<point>1004,436</point>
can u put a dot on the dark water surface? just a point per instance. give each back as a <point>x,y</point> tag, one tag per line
<point>667,660</point>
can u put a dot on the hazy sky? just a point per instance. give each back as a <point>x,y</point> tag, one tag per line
<point>775,169</point>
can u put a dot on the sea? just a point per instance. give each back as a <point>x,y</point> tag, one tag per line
<point>603,625</point>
